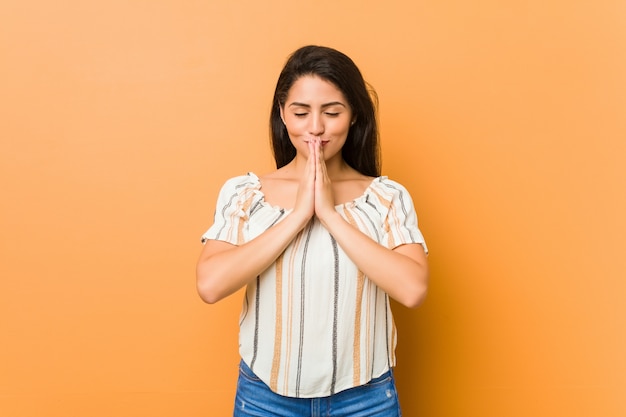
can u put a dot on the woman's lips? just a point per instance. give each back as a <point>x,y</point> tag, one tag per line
<point>323,142</point>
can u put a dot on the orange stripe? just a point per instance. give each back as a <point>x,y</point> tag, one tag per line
<point>367,285</point>
<point>392,350</point>
<point>356,352</point>
<point>390,239</point>
<point>279,323</point>
<point>386,203</point>
<point>356,355</point>
<point>396,222</point>
<point>383,201</point>
<point>245,206</point>
<point>367,327</point>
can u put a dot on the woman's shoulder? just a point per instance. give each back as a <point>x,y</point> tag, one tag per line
<point>384,181</point>
<point>386,190</point>
<point>240,183</point>
<point>243,178</point>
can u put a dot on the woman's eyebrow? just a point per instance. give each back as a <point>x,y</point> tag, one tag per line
<point>332,103</point>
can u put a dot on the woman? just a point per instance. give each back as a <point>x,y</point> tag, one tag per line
<point>320,244</point>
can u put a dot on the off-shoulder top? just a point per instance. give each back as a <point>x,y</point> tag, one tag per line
<point>312,324</point>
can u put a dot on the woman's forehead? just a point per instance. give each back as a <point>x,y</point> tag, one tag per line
<point>313,88</point>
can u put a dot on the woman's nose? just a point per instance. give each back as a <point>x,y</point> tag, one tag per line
<point>316,126</point>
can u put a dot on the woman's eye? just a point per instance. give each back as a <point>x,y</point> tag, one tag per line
<point>331,114</point>
<point>300,114</point>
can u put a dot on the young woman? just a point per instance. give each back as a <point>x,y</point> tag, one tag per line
<point>320,245</point>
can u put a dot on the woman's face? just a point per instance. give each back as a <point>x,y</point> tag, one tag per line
<point>316,108</point>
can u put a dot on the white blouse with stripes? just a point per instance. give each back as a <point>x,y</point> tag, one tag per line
<point>312,324</point>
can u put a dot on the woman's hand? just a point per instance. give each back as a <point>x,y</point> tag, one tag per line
<point>315,193</point>
<point>324,196</point>
<point>305,198</point>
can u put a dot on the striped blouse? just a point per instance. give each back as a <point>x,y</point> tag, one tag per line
<point>312,324</point>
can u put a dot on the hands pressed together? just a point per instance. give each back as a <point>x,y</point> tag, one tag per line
<point>315,192</point>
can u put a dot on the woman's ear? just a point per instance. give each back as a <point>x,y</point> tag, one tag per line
<point>282,115</point>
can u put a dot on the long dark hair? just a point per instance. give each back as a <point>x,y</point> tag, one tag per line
<point>361,150</point>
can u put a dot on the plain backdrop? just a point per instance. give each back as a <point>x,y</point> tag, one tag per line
<point>120,120</point>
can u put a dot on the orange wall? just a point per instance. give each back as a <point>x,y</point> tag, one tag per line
<point>119,121</point>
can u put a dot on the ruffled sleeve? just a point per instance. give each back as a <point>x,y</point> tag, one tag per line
<point>232,211</point>
<point>400,222</point>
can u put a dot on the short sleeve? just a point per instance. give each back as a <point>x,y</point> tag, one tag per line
<point>230,213</point>
<point>400,224</point>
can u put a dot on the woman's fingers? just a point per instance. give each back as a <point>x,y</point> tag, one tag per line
<point>324,199</point>
<point>305,199</point>
<point>312,161</point>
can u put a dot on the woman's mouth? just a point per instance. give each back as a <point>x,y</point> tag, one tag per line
<point>322,142</point>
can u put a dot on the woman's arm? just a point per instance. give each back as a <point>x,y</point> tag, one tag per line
<point>224,268</point>
<point>402,272</point>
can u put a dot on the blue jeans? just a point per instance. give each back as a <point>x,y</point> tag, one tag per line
<point>377,398</point>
